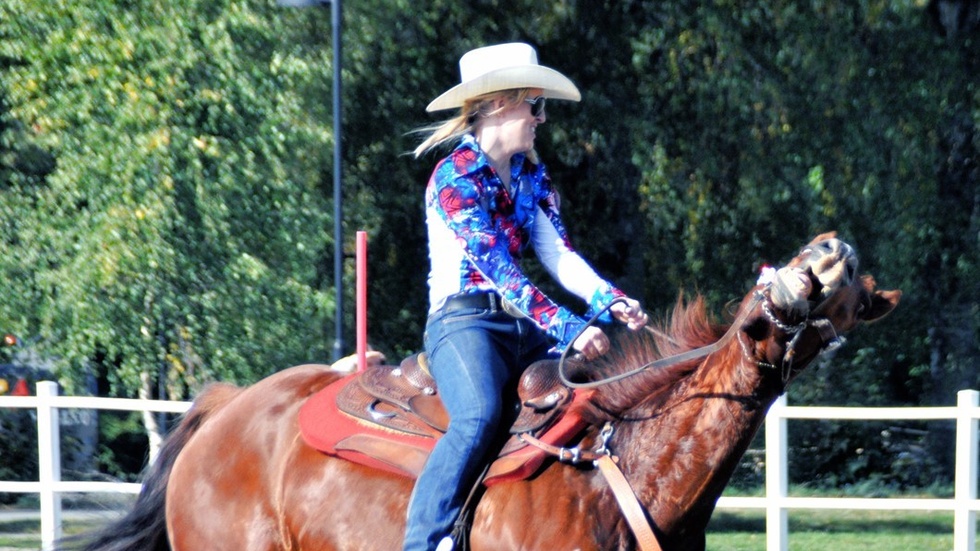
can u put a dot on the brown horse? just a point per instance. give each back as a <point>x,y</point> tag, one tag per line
<point>236,475</point>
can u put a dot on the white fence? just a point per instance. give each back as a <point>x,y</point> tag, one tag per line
<point>49,486</point>
<point>776,503</point>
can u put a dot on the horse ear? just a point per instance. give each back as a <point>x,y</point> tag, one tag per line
<point>882,302</point>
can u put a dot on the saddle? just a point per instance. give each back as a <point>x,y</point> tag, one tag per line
<point>390,417</point>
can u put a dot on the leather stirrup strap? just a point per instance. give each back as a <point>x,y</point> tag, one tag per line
<point>464,522</point>
<point>569,455</point>
<point>627,502</point>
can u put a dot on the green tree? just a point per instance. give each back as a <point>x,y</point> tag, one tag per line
<point>769,124</point>
<point>179,233</point>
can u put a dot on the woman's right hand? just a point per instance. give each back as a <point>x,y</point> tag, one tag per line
<point>592,343</point>
<point>630,313</point>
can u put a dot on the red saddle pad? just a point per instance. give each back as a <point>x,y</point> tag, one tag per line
<point>326,428</point>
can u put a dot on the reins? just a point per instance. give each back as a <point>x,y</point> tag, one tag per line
<point>828,334</point>
<point>694,354</point>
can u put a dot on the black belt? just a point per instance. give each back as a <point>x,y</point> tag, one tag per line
<point>487,300</point>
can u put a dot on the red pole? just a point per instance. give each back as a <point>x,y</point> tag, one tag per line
<point>361,300</point>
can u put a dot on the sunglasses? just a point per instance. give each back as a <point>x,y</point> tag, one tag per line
<point>537,105</point>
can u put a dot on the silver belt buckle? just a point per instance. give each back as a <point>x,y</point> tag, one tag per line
<point>510,309</point>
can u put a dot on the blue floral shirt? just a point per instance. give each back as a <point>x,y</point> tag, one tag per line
<point>478,230</point>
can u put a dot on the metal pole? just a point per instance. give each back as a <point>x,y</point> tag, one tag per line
<point>338,260</point>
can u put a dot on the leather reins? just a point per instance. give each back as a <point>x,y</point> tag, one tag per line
<point>757,297</point>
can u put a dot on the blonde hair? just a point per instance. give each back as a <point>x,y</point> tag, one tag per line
<point>466,121</point>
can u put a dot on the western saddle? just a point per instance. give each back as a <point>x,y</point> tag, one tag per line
<point>405,399</point>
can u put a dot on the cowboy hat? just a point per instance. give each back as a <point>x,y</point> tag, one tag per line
<point>503,67</point>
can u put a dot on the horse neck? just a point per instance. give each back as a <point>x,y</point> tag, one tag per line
<point>687,447</point>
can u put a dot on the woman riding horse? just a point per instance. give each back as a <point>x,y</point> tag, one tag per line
<point>235,473</point>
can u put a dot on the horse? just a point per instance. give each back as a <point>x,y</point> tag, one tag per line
<point>235,474</point>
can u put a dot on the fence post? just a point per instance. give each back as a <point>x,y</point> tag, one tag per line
<point>964,517</point>
<point>49,463</point>
<point>777,479</point>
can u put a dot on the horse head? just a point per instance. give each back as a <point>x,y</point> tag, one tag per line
<point>807,306</point>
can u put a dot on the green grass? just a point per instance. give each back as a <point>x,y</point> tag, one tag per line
<point>26,534</point>
<point>20,534</point>
<point>812,530</point>
<point>809,530</point>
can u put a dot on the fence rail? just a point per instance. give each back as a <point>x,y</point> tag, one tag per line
<point>776,502</point>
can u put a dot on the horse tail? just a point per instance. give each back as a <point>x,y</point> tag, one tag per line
<point>144,528</point>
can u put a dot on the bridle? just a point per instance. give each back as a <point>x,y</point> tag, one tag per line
<point>828,336</point>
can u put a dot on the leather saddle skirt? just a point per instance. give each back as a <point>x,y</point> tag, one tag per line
<point>389,418</point>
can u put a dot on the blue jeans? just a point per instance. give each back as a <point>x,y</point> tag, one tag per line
<point>475,356</point>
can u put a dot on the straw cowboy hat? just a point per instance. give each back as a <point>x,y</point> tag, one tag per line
<point>503,67</point>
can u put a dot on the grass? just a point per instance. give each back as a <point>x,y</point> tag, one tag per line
<point>26,534</point>
<point>20,534</point>
<point>811,530</point>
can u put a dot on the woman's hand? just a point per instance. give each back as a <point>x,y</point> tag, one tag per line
<point>349,363</point>
<point>630,313</point>
<point>592,343</point>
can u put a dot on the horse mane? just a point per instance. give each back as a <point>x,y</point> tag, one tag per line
<point>689,327</point>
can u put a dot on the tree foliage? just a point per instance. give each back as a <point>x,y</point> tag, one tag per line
<point>179,226</point>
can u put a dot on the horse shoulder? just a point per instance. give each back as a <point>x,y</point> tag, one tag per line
<point>563,507</point>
